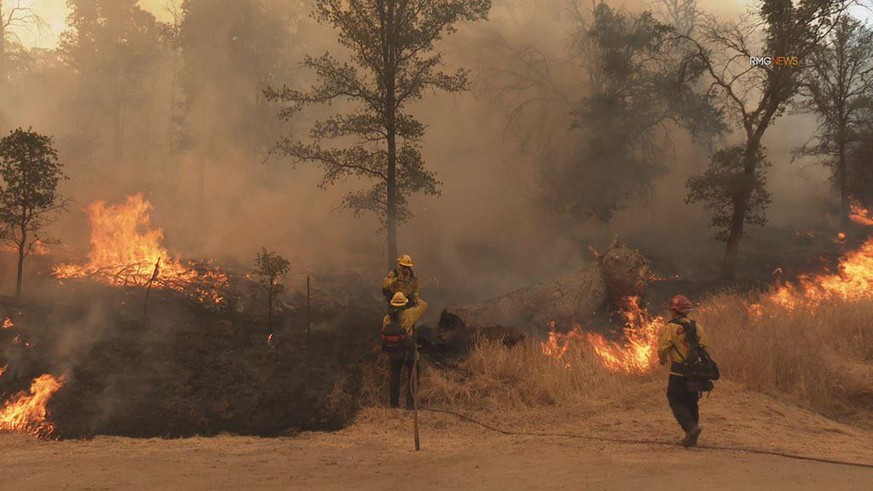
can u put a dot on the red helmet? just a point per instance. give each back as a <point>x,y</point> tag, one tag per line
<point>681,304</point>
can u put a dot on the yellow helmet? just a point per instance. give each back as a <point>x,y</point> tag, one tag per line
<point>399,300</point>
<point>405,260</point>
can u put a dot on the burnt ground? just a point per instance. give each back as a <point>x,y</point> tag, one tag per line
<point>186,369</point>
<point>191,370</point>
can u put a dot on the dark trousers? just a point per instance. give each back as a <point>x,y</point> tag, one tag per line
<point>397,362</point>
<point>683,402</point>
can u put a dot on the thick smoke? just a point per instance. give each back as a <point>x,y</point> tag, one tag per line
<point>219,193</point>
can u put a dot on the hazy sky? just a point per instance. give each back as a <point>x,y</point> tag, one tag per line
<point>54,12</point>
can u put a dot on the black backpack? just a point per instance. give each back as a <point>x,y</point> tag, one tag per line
<point>699,368</point>
<point>394,337</point>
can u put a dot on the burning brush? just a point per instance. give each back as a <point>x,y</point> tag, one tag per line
<point>126,251</point>
<point>636,355</point>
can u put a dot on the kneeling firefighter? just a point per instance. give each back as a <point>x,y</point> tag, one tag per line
<point>398,340</point>
<point>692,371</point>
<point>403,280</point>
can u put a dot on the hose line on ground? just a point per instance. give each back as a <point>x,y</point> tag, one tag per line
<point>643,441</point>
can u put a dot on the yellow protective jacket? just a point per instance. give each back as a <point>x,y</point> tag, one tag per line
<point>401,280</point>
<point>673,346</point>
<point>406,318</point>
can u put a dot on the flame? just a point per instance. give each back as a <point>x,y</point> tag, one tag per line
<point>558,344</point>
<point>7,324</point>
<point>3,369</point>
<point>26,411</point>
<point>636,355</point>
<point>860,215</point>
<point>127,251</point>
<point>269,339</point>
<point>852,281</point>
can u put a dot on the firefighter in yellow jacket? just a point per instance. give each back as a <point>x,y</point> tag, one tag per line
<point>402,355</point>
<point>403,280</point>
<point>673,347</point>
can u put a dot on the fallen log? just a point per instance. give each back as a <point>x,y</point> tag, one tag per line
<point>612,276</point>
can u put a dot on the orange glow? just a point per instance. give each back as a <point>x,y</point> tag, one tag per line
<point>558,344</point>
<point>26,412</point>
<point>636,355</point>
<point>852,281</point>
<point>860,215</point>
<point>127,251</point>
<point>7,324</point>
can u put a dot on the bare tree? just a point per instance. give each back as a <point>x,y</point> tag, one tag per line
<point>683,15</point>
<point>838,89</point>
<point>15,16</point>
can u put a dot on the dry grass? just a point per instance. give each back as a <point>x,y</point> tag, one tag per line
<point>522,376</point>
<point>821,358</point>
<point>818,355</point>
<point>517,377</point>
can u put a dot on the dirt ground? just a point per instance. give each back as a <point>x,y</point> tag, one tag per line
<point>377,453</point>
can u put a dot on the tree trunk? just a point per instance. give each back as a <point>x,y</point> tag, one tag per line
<point>21,250</point>
<point>611,278</point>
<point>740,208</point>
<point>391,212</point>
<point>118,141</point>
<point>391,133</point>
<point>843,179</point>
<point>2,49</point>
<point>270,308</point>
<point>200,195</point>
<point>729,265</point>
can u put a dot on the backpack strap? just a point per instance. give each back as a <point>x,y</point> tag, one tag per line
<point>690,334</point>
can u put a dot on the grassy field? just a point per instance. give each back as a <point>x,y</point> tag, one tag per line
<point>820,357</point>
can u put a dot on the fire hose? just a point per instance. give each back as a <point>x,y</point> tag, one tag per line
<point>643,441</point>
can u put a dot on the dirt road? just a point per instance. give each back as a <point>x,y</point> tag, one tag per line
<point>376,453</point>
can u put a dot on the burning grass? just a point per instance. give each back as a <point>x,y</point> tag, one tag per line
<point>811,340</point>
<point>26,411</point>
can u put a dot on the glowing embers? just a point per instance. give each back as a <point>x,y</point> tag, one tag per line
<point>860,215</point>
<point>637,354</point>
<point>127,251</point>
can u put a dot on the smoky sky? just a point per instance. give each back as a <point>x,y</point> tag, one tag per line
<point>485,233</point>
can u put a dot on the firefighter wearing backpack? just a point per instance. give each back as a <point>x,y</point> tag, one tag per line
<point>398,341</point>
<point>403,280</point>
<point>674,346</point>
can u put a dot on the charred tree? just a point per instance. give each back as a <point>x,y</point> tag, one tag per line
<point>393,61</point>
